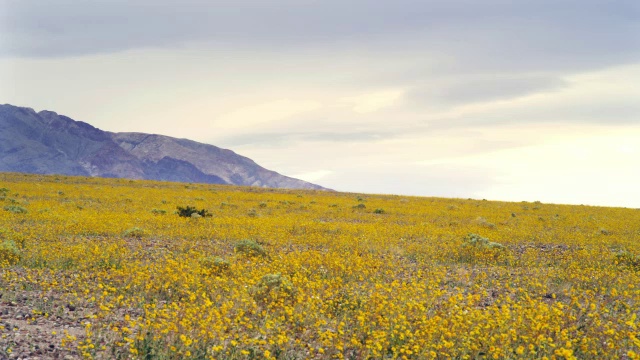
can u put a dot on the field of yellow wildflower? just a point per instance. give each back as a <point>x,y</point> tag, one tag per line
<point>107,269</point>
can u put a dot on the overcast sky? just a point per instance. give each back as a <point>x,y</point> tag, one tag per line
<point>497,99</point>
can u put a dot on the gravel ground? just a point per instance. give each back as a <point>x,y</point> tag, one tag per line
<point>26,333</point>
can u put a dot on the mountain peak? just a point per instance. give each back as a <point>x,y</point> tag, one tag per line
<point>48,143</point>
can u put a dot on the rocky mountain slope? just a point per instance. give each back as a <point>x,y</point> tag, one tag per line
<point>47,143</point>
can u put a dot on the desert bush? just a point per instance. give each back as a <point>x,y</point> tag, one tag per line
<point>135,232</point>
<point>479,250</point>
<point>250,248</point>
<point>190,210</point>
<point>273,287</point>
<point>214,265</point>
<point>478,241</point>
<point>604,231</point>
<point>9,253</point>
<point>628,259</point>
<point>15,209</point>
<point>158,211</point>
<point>360,206</point>
<point>378,211</point>
<point>485,223</point>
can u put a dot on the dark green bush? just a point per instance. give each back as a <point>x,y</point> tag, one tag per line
<point>190,210</point>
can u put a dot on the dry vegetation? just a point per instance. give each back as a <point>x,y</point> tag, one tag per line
<point>107,269</point>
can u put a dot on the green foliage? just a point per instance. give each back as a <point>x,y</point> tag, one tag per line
<point>9,253</point>
<point>628,259</point>
<point>158,211</point>
<point>15,209</point>
<point>360,206</point>
<point>378,211</point>
<point>481,251</point>
<point>214,265</point>
<point>478,241</point>
<point>604,231</point>
<point>484,223</point>
<point>190,210</point>
<point>135,232</point>
<point>250,248</point>
<point>272,287</point>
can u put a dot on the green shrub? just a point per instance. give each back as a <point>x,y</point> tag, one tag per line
<point>190,210</point>
<point>378,211</point>
<point>628,259</point>
<point>214,265</point>
<point>484,223</point>
<point>159,211</point>
<point>273,287</point>
<point>135,232</point>
<point>15,209</point>
<point>9,253</point>
<point>479,250</point>
<point>250,248</point>
<point>481,242</point>
<point>360,206</point>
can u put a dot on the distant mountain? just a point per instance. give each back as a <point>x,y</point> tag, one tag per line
<point>47,143</point>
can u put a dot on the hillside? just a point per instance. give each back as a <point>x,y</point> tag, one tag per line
<point>106,268</point>
<point>47,143</point>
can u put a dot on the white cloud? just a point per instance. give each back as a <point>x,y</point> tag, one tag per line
<point>313,176</point>
<point>522,132</point>
<point>373,101</point>
<point>248,116</point>
<point>595,168</point>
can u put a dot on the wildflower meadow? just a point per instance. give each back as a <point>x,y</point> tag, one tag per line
<point>122,269</point>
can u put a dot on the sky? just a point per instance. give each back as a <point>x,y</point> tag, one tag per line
<point>534,100</point>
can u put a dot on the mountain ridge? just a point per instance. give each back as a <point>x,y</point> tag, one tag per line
<point>46,142</point>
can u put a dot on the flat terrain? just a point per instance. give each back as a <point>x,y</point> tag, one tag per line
<point>106,268</point>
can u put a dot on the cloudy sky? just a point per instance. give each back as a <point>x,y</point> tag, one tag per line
<point>498,99</point>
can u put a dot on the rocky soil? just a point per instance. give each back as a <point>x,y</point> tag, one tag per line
<point>33,326</point>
